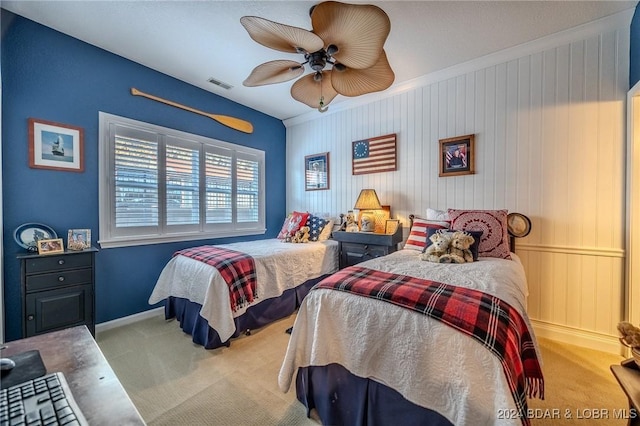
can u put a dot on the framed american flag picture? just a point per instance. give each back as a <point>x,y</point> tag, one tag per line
<point>374,155</point>
<point>457,156</point>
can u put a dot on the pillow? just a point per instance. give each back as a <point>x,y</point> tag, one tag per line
<point>326,231</point>
<point>441,215</point>
<point>492,223</point>
<point>316,226</point>
<point>418,235</point>
<point>292,223</point>
<point>477,236</point>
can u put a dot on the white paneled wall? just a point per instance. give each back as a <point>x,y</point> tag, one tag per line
<point>549,120</point>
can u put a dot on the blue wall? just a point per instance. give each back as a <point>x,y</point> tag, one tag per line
<point>54,77</point>
<point>634,49</point>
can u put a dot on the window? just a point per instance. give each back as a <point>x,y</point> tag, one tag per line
<point>160,185</point>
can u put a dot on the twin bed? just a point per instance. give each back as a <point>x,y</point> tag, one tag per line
<point>388,341</point>
<point>196,294</point>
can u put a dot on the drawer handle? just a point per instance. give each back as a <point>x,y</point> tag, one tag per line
<point>61,278</point>
<point>30,317</point>
<point>61,262</point>
<point>366,247</point>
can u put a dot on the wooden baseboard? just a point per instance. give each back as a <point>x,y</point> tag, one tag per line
<point>119,322</point>
<point>579,337</point>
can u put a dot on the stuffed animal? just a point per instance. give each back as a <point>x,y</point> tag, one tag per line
<point>459,251</point>
<point>350,224</point>
<point>301,236</point>
<point>439,246</point>
<point>630,334</point>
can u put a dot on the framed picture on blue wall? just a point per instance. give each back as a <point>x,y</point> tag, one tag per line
<point>55,146</point>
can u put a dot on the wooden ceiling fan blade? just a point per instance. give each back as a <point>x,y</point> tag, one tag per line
<point>280,36</point>
<point>274,72</point>
<point>311,92</point>
<point>359,31</point>
<point>356,82</point>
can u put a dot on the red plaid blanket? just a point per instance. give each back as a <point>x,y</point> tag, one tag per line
<point>236,268</point>
<point>488,319</point>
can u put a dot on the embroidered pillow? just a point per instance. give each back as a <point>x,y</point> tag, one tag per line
<point>492,223</point>
<point>292,223</point>
<point>418,235</point>
<point>477,236</point>
<point>316,226</point>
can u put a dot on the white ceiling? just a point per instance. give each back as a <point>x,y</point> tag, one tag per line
<point>196,40</point>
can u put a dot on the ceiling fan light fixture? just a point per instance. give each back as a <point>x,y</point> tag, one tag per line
<point>347,37</point>
<point>339,67</point>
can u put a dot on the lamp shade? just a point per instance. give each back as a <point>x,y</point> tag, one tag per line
<point>368,200</point>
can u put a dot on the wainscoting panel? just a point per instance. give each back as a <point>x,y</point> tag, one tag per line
<point>550,143</point>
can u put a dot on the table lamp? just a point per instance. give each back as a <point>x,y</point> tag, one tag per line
<point>367,201</point>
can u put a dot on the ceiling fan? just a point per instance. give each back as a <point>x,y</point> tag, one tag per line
<point>344,50</point>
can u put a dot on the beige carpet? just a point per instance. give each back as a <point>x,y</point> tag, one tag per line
<point>175,382</point>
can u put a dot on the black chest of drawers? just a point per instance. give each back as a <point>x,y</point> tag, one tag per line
<point>57,291</point>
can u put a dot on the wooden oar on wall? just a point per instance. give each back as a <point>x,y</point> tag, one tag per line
<point>234,123</point>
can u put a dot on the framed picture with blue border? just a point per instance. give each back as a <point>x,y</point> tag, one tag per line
<point>457,156</point>
<point>316,172</point>
<point>55,146</point>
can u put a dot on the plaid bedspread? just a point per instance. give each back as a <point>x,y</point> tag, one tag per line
<point>488,319</point>
<point>236,268</point>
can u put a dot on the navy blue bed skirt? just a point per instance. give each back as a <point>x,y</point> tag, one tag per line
<point>188,315</point>
<point>341,398</point>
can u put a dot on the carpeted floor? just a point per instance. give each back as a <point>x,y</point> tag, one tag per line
<point>175,382</point>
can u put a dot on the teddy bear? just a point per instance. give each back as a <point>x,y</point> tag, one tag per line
<point>459,251</point>
<point>439,246</point>
<point>630,334</point>
<point>301,235</point>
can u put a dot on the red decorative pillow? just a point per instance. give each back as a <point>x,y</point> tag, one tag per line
<point>492,223</point>
<point>418,236</point>
<point>293,223</point>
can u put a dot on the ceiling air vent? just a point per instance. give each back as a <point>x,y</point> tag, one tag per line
<point>220,83</point>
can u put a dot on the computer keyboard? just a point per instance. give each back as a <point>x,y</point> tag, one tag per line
<point>45,401</point>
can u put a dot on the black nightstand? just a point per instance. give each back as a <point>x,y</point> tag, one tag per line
<point>356,247</point>
<point>57,291</point>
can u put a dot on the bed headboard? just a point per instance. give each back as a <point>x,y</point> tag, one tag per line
<point>518,226</point>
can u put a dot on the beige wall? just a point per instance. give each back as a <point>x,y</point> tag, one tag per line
<point>549,120</point>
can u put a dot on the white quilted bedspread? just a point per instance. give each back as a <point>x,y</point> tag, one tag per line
<point>279,267</point>
<point>429,363</point>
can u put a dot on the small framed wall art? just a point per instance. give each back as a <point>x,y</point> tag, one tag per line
<point>50,246</point>
<point>79,239</point>
<point>55,146</point>
<point>457,156</point>
<point>316,172</point>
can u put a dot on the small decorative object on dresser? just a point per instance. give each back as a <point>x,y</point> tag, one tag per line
<point>51,246</point>
<point>367,203</point>
<point>79,239</point>
<point>27,235</point>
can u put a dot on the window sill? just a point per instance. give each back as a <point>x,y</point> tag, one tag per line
<point>147,240</point>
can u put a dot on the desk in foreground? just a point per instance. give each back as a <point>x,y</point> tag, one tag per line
<point>628,376</point>
<point>94,385</point>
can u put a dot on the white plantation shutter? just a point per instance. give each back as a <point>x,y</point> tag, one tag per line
<point>182,184</point>
<point>160,185</point>
<point>219,186</point>
<point>248,188</point>
<point>135,179</point>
